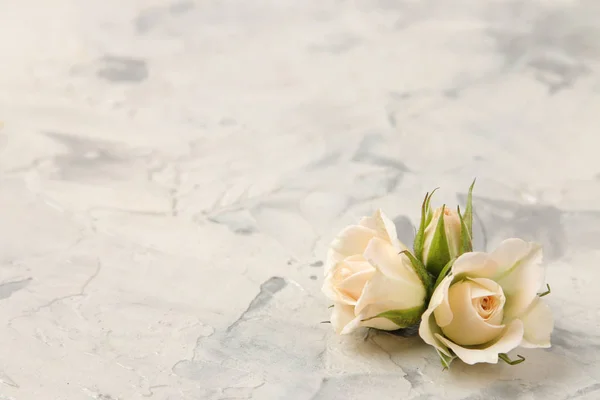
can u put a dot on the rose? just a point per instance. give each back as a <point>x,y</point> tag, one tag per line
<point>450,235</point>
<point>488,305</point>
<point>371,283</point>
<point>443,234</point>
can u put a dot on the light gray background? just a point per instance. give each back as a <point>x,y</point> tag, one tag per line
<point>172,172</point>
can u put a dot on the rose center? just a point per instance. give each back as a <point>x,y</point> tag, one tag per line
<point>486,306</point>
<point>344,273</point>
<point>486,303</point>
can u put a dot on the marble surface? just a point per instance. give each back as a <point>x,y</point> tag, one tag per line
<point>172,172</point>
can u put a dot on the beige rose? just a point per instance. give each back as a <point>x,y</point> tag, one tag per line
<point>488,305</point>
<point>366,275</point>
<point>443,234</point>
<point>452,228</point>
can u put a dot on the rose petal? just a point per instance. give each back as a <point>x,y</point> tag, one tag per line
<point>508,340</point>
<point>353,286</point>
<point>346,280</point>
<point>486,287</point>
<point>443,313</point>
<point>467,328</point>
<point>394,285</point>
<point>453,228</point>
<point>385,228</point>
<point>386,259</point>
<point>353,325</point>
<point>352,240</point>
<point>519,273</point>
<point>341,316</point>
<point>511,251</point>
<point>385,294</point>
<point>328,290</point>
<point>428,329</point>
<point>378,323</point>
<point>333,257</point>
<point>474,265</point>
<point>358,263</point>
<point>538,325</point>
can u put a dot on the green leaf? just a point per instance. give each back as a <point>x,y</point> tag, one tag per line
<point>421,272</point>
<point>443,274</point>
<point>547,292</point>
<point>504,357</point>
<point>445,360</point>
<point>469,210</point>
<point>439,253</point>
<point>402,318</point>
<point>466,243</point>
<point>426,216</point>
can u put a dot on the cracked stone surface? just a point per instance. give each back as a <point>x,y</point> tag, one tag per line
<point>171,173</point>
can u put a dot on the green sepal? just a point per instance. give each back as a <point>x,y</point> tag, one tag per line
<point>402,318</point>
<point>466,244</point>
<point>443,273</point>
<point>421,272</point>
<point>439,253</point>
<point>444,359</point>
<point>504,357</point>
<point>468,216</point>
<point>420,236</point>
<point>546,293</point>
<point>429,214</point>
<point>426,216</point>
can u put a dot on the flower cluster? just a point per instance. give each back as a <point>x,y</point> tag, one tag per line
<point>472,305</point>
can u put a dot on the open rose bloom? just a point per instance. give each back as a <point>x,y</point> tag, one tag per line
<point>370,283</point>
<point>488,305</point>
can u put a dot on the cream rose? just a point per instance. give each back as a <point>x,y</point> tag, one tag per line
<point>452,230</point>
<point>488,305</point>
<point>367,276</point>
<point>443,234</point>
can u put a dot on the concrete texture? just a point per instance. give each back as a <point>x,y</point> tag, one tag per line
<point>172,172</point>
